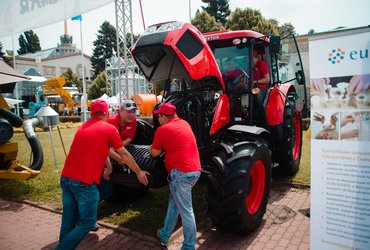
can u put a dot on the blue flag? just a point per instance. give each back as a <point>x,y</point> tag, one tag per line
<point>77,18</point>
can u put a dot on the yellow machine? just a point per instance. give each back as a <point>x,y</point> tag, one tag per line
<point>57,84</point>
<point>10,168</point>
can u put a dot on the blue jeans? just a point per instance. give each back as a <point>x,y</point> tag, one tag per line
<point>180,202</point>
<point>80,206</point>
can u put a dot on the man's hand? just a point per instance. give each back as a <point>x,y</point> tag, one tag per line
<point>359,83</point>
<point>319,84</point>
<point>141,176</point>
<point>106,174</point>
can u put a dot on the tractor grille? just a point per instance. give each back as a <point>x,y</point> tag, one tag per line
<point>123,175</point>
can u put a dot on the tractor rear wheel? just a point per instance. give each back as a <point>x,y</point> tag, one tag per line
<point>239,186</point>
<point>290,156</point>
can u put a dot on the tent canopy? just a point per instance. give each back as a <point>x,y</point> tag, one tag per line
<point>18,16</point>
<point>9,75</point>
<point>12,102</point>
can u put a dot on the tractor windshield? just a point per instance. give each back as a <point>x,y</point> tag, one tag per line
<point>233,64</point>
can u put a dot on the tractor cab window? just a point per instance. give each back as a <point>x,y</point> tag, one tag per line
<point>233,64</point>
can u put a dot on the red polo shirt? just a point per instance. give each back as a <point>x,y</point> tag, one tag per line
<point>90,148</point>
<point>178,142</point>
<point>124,130</point>
<point>262,69</point>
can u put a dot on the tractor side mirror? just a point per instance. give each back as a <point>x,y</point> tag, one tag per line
<point>300,77</point>
<point>275,43</point>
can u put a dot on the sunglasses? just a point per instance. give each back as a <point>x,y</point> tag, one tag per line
<point>129,105</point>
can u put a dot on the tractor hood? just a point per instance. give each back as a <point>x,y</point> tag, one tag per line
<point>175,50</point>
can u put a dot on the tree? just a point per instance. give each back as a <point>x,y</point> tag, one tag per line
<point>72,79</point>
<point>219,9</point>
<point>2,54</point>
<point>29,43</point>
<point>311,32</point>
<point>286,29</point>
<point>104,45</point>
<point>251,19</point>
<point>22,45</point>
<point>205,22</point>
<point>98,87</point>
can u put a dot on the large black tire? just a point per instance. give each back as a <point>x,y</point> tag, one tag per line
<point>291,148</point>
<point>239,185</point>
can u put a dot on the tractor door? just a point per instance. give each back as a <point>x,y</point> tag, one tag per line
<point>287,67</point>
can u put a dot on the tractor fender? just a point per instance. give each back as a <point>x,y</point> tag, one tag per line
<point>276,103</point>
<point>251,130</point>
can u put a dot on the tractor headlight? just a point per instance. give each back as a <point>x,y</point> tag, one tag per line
<point>165,27</point>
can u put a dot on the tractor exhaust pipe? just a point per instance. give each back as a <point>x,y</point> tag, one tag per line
<point>38,155</point>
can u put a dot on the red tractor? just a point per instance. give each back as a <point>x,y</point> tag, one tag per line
<point>240,137</point>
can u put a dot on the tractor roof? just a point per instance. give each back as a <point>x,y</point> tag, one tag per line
<point>230,34</point>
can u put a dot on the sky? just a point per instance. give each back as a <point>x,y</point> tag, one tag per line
<point>320,15</point>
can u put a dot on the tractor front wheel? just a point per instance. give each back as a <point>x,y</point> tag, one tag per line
<point>239,186</point>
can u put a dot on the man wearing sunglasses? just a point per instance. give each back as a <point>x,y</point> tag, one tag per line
<point>125,121</point>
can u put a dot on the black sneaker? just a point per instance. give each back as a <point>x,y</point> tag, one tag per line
<point>159,237</point>
<point>96,228</point>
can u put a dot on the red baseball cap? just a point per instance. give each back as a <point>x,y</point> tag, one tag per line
<point>166,109</point>
<point>99,106</point>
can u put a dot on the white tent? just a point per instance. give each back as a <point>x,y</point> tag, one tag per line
<point>104,97</point>
<point>113,101</point>
<point>17,16</point>
<point>12,102</point>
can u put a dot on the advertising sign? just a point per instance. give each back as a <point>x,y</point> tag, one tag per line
<point>340,141</point>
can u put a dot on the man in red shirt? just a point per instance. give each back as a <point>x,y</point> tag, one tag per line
<point>82,171</point>
<point>261,75</point>
<point>125,123</point>
<point>178,142</point>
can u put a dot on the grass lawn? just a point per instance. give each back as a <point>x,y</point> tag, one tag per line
<point>144,214</point>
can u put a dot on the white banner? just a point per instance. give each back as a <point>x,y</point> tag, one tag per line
<point>340,142</point>
<point>340,56</point>
<point>21,15</point>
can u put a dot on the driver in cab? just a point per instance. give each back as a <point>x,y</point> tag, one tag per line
<point>233,75</point>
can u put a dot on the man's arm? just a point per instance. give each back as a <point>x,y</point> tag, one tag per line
<point>115,156</point>
<point>263,68</point>
<point>154,152</point>
<point>127,141</point>
<point>108,169</point>
<point>265,79</point>
<point>131,163</point>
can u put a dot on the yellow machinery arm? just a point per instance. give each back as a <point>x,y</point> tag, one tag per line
<point>57,83</point>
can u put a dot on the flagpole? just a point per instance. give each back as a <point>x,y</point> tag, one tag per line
<point>83,78</point>
<point>15,68</point>
<point>189,11</point>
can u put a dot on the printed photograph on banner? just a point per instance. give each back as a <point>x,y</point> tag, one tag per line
<point>355,126</point>
<point>325,125</point>
<point>346,92</point>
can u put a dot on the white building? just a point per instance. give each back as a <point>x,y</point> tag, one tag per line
<point>51,63</point>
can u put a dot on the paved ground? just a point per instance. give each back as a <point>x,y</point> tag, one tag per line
<point>25,225</point>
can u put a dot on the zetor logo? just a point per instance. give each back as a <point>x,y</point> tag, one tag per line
<point>336,56</point>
